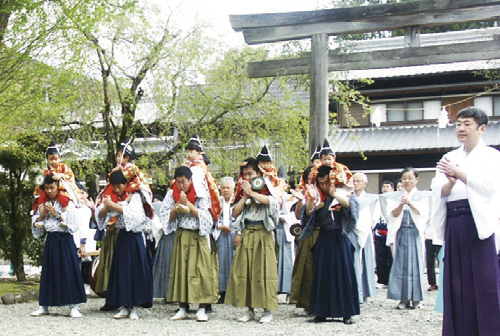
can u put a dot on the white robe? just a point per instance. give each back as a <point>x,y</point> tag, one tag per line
<point>420,199</point>
<point>369,214</point>
<point>482,167</point>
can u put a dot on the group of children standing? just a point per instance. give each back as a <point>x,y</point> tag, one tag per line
<point>199,231</point>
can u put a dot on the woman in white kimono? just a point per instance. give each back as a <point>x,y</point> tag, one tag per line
<point>407,212</point>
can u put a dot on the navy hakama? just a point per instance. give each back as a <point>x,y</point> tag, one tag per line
<point>226,254</point>
<point>471,277</point>
<point>285,260</point>
<point>334,290</point>
<point>161,266</point>
<point>130,283</point>
<point>61,282</point>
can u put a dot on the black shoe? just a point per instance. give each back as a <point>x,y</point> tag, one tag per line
<point>349,320</point>
<point>319,319</point>
<point>222,297</point>
<point>208,309</point>
<point>188,309</point>
<point>108,307</point>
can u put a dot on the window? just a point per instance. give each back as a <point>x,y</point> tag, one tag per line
<point>496,106</point>
<point>405,111</point>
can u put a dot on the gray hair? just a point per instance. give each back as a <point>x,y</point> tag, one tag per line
<point>363,175</point>
<point>228,179</point>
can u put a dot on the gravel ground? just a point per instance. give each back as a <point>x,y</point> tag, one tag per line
<point>378,317</point>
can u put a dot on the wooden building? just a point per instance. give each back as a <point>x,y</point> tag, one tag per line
<point>407,104</point>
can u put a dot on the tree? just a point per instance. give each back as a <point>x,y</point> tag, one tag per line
<point>236,115</point>
<point>124,42</point>
<point>19,158</point>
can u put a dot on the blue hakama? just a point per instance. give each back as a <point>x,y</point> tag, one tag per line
<point>61,282</point>
<point>334,291</point>
<point>161,266</point>
<point>406,280</point>
<point>226,255</point>
<point>368,264</point>
<point>285,260</point>
<point>130,283</point>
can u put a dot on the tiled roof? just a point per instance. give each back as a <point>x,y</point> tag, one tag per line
<point>404,139</point>
<point>426,40</point>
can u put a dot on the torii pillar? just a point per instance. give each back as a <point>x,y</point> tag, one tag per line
<point>318,105</point>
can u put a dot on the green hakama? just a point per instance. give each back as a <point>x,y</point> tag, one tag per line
<point>194,269</point>
<point>253,280</point>
<point>302,275</point>
<point>105,260</point>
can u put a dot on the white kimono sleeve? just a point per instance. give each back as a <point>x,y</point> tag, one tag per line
<point>37,232</point>
<point>102,222</point>
<point>70,218</point>
<point>166,207</point>
<point>133,215</point>
<point>205,218</point>
<point>483,189</point>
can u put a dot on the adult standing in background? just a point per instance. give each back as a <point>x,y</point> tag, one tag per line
<point>432,248</point>
<point>383,254</point>
<point>407,212</point>
<point>224,235</point>
<point>466,214</point>
<point>361,237</point>
<point>285,240</point>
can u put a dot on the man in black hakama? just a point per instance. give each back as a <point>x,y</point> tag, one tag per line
<point>334,291</point>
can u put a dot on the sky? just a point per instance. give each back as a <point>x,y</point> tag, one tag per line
<point>218,11</point>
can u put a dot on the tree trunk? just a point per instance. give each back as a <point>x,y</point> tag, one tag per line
<point>106,113</point>
<point>128,118</point>
<point>4,18</point>
<point>18,237</point>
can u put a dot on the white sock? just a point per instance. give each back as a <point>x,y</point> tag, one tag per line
<point>182,310</point>
<point>201,310</point>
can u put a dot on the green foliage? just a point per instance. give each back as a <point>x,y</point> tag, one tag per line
<point>19,158</point>
<point>235,115</point>
<point>8,286</point>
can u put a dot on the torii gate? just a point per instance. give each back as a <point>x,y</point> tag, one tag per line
<point>318,25</point>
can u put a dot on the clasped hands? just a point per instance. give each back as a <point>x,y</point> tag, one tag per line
<point>448,168</point>
<point>183,205</point>
<point>247,188</point>
<point>47,208</point>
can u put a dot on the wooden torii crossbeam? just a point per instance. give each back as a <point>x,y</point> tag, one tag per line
<point>318,25</point>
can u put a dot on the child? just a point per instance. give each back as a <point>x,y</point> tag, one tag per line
<point>253,279</point>
<point>60,172</point>
<point>136,180</point>
<point>267,168</point>
<point>315,163</point>
<point>130,281</point>
<point>203,180</point>
<point>268,171</point>
<point>61,282</point>
<point>340,175</point>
